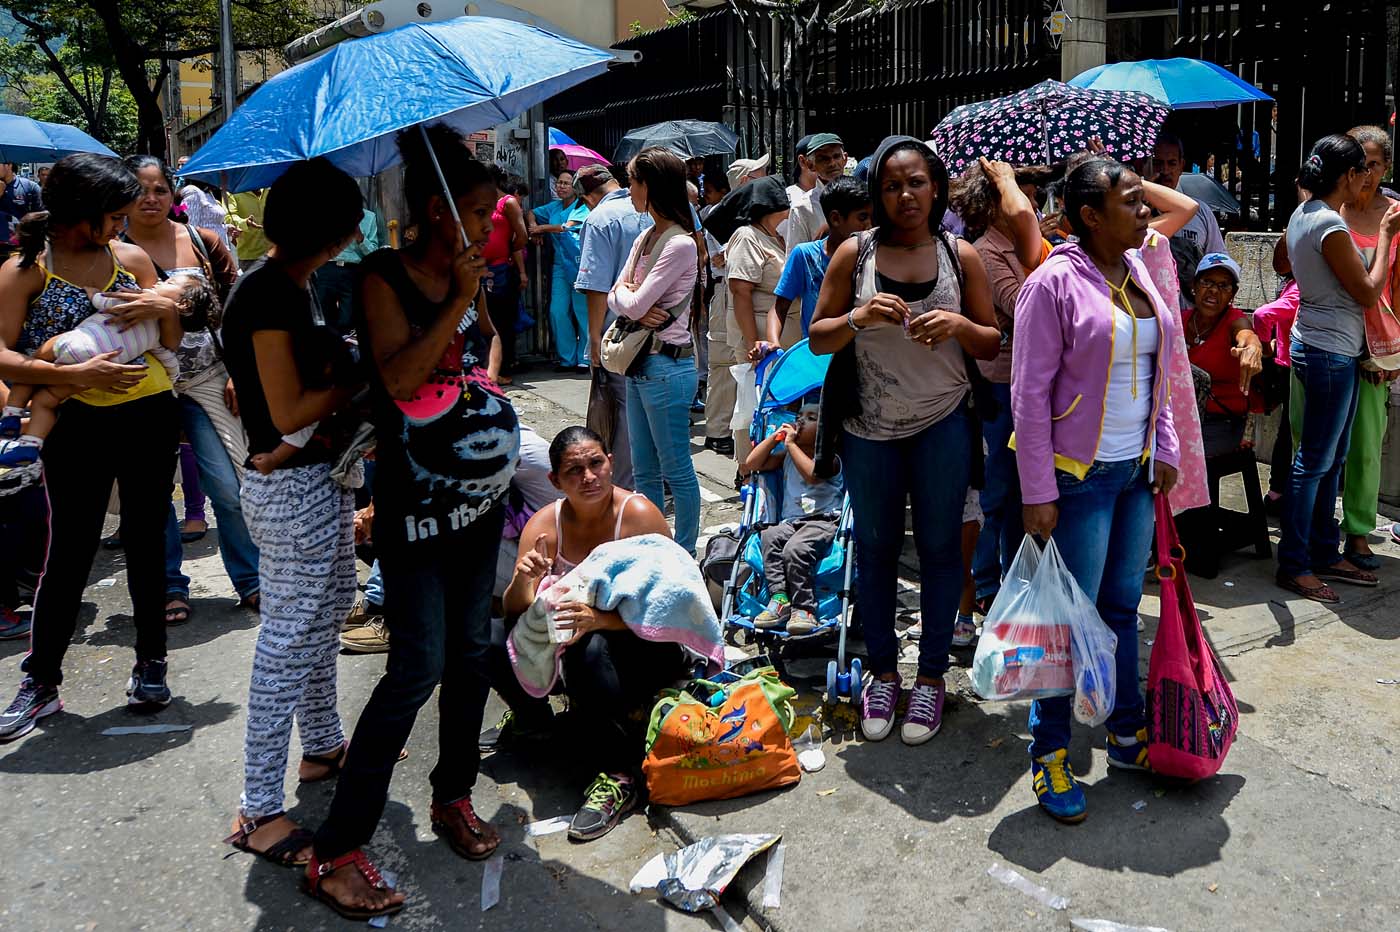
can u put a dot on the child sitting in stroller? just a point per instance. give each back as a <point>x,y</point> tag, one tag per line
<point>794,546</point>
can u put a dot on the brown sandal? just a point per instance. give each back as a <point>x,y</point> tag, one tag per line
<point>1320,593</point>
<point>283,853</point>
<point>315,870</point>
<point>334,762</point>
<point>474,825</point>
<point>1350,577</point>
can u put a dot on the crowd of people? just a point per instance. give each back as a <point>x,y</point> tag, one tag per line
<point>1049,372</point>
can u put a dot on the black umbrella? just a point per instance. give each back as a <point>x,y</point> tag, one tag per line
<point>1206,190</point>
<point>690,138</point>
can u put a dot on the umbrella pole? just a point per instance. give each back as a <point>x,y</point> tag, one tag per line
<point>442,180</point>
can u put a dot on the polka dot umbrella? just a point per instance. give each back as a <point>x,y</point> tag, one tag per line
<point>1046,123</point>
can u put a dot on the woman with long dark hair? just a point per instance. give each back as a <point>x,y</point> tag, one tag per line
<point>1329,337</point>
<point>506,278</point>
<point>203,391</point>
<point>66,254</point>
<point>655,289</point>
<point>448,445</point>
<point>921,306</point>
<point>1094,441</point>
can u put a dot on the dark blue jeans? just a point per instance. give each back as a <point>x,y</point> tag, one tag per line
<point>1309,538</point>
<point>1104,534</point>
<point>1001,502</point>
<point>930,471</point>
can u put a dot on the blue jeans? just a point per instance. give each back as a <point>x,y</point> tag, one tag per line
<point>1001,502</point>
<point>568,318</point>
<point>658,424</point>
<point>1309,538</point>
<point>374,586</point>
<point>220,481</point>
<point>930,471</point>
<point>1104,534</point>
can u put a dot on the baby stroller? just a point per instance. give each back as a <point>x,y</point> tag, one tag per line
<point>787,377</point>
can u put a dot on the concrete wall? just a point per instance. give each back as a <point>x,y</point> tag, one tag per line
<point>650,13</point>
<point>593,21</point>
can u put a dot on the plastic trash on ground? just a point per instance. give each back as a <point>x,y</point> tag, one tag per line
<point>693,878</point>
<point>1108,925</point>
<point>808,746</point>
<point>1043,637</point>
<point>1014,880</point>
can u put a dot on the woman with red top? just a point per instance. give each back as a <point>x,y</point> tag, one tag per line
<point>506,279</point>
<point>1220,340</point>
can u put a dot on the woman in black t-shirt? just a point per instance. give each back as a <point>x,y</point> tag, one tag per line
<point>291,371</point>
<point>448,445</point>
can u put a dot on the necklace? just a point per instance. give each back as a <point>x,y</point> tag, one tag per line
<point>1197,338</point>
<point>92,266</point>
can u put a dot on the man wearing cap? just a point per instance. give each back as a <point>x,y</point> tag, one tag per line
<point>826,159</point>
<point>742,171</point>
<point>605,241</point>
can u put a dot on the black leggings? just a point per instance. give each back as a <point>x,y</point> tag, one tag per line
<point>503,304</point>
<point>133,444</point>
<point>609,677</point>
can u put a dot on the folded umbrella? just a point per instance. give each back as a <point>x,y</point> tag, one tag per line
<point>1206,190</point>
<point>689,138</point>
<point>1180,83</point>
<point>1046,123</point>
<point>26,140</point>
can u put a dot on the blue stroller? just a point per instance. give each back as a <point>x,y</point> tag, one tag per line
<point>787,377</point>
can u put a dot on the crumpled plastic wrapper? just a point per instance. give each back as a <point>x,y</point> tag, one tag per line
<point>693,878</point>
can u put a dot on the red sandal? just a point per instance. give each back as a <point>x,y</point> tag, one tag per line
<point>441,814</point>
<point>316,869</point>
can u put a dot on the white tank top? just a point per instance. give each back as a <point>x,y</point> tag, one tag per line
<point>1131,378</point>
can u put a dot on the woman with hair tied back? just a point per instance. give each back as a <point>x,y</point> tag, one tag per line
<point>67,256</point>
<point>1328,339</point>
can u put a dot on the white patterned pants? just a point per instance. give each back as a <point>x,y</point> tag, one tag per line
<point>302,523</point>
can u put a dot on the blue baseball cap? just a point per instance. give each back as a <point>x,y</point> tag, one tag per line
<point>1218,260</point>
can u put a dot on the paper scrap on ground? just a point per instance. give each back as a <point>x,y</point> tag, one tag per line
<point>390,880</point>
<point>1012,879</point>
<point>693,878</point>
<point>145,729</point>
<point>491,881</point>
<point>105,583</point>
<point>547,826</point>
<point>1139,805</point>
<point>773,878</point>
<point>1389,682</point>
<point>1108,925</point>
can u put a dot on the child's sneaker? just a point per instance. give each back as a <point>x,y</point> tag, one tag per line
<point>914,631</point>
<point>775,614</point>
<point>17,452</point>
<point>925,714</point>
<point>801,621</point>
<point>964,631</point>
<point>11,425</point>
<point>1127,752</point>
<point>1058,793</point>
<point>12,624</point>
<point>877,702</point>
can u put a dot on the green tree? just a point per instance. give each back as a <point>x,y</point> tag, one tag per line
<point>95,102</point>
<point>141,40</point>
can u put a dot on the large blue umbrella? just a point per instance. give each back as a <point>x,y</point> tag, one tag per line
<point>26,140</point>
<point>1180,83</point>
<point>472,72</point>
<point>557,137</point>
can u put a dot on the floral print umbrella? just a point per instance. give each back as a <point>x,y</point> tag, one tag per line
<point>1046,123</point>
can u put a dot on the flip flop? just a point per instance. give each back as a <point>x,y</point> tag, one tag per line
<point>1364,561</point>
<point>1321,593</point>
<point>177,614</point>
<point>1350,577</point>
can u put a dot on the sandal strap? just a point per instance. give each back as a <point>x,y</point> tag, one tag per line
<point>464,806</point>
<point>332,759</point>
<point>317,869</point>
<point>247,826</point>
<point>290,845</point>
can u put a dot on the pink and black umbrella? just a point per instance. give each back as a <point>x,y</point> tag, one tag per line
<point>1046,123</point>
<point>579,156</point>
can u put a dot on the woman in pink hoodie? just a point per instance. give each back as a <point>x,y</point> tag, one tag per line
<point>1094,440</point>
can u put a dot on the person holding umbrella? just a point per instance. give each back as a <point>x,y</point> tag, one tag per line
<point>448,446</point>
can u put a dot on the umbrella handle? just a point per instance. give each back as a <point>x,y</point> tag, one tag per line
<point>442,179</point>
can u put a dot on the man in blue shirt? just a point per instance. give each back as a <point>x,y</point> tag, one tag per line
<point>847,206</point>
<point>613,225</point>
<point>19,196</point>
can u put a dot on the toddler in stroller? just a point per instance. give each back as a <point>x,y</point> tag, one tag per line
<point>793,547</point>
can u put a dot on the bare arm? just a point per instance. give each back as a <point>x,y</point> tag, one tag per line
<point>1248,350</point>
<point>1363,284</point>
<point>532,561</point>
<point>763,456</point>
<point>291,405</point>
<point>979,335</point>
<point>1017,210</point>
<point>640,516</point>
<point>1176,209</point>
<point>829,330</point>
<point>742,293</point>
<point>777,319</point>
<point>806,466</point>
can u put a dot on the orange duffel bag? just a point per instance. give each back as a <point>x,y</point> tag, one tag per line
<point>718,740</point>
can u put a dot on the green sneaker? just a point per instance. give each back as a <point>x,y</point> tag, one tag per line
<point>606,801</point>
<point>775,614</point>
<point>512,730</point>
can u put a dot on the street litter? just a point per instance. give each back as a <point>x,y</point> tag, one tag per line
<point>105,583</point>
<point>809,750</point>
<point>1213,887</point>
<point>547,826</point>
<point>1108,925</point>
<point>1389,682</point>
<point>104,660</point>
<point>491,882</point>
<point>391,880</point>
<point>773,878</point>
<point>726,921</point>
<point>1139,805</point>
<point>1229,585</point>
<point>1012,879</point>
<point>826,792</point>
<point>693,878</point>
<point>145,729</point>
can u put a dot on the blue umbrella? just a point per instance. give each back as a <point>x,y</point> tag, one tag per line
<point>26,140</point>
<point>1180,83</point>
<point>472,72</point>
<point>557,137</point>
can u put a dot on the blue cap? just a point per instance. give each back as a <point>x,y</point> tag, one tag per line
<point>1219,260</point>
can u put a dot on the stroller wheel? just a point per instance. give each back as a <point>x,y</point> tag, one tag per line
<point>857,684</point>
<point>832,696</point>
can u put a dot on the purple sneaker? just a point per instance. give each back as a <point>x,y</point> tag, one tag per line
<point>877,702</point>
<point>925,714</point>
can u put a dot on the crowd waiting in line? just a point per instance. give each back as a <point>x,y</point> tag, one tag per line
<point>1043,372</point>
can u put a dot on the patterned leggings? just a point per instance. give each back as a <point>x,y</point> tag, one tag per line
<point>302,523</point>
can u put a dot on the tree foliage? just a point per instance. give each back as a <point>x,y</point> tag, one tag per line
<point>140,42</point>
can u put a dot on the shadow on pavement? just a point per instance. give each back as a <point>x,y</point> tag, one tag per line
<point>210,618</point>
<point>1183,829</point>
<point>71,744</point>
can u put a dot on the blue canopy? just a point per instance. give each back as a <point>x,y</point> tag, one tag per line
<point>1180,83</point>
<point>26,140</point>
<point>472,72</point>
